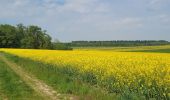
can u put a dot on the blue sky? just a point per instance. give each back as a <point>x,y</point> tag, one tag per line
<point>69,20</point>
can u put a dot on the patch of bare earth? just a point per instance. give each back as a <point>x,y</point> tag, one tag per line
<point>3,97</point>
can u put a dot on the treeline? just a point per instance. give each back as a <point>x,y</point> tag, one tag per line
<point>118,43</point>
<point>33,37</point>
<point>28,37</point>
<point>21,36</point>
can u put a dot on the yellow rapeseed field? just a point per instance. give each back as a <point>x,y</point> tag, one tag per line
<point>143,73</point>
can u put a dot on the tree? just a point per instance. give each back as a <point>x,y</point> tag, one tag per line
<point>8,36</point>
<point>21,36</point>
<point>20,32</point>
<point>36,38</point>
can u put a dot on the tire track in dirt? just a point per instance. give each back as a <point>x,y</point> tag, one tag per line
<point>3,97</point>
<point>47,92</point>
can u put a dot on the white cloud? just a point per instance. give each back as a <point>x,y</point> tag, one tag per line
<point>164,19</point>
<point>28,8</point>
<point>83,6</point>
<point>158,4</point>
<point>86,16</point>
<point>102,24</point>
<point>17,9</point>
<point>155,1</point>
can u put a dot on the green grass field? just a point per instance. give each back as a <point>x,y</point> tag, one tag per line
<point>155,49</point>
<point>12,87</point>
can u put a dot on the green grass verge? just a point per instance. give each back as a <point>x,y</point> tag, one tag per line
<point>63,82</point>
<point>154,51</point>
<point>12,87</point>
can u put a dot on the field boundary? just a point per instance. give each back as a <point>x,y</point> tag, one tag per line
<point>40,87</point>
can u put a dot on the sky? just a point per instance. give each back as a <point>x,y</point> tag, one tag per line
<point>71,20</point>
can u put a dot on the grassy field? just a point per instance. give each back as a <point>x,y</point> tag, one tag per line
<point>156,49</point>
<point>12,87</point>
<point>133,73</point>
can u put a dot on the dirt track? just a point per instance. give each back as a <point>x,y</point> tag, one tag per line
<point>47,92</point>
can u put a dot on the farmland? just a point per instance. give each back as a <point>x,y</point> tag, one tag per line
<point>127,73</point>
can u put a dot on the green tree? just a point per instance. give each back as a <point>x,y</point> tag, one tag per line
<point>20,36</point>
<point>8,36</point>
<point>34,37</point>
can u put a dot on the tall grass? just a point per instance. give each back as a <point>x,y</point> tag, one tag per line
<point>12,87</point>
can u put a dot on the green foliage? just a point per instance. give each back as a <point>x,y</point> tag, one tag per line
<point>12,87</point>
<point>155,51</point>
<point>8,36</point>
<point>24,37</point>
<point>118,43</point>
<point>61,46</point>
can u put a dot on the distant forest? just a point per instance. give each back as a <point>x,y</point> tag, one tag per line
<point>33,37</point>
<point>118,43</point>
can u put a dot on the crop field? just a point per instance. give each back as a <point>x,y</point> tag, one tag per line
<point>141,74</point>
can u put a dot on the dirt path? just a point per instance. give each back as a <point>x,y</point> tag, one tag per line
<point>3,97</point>
<point>40,87</point>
